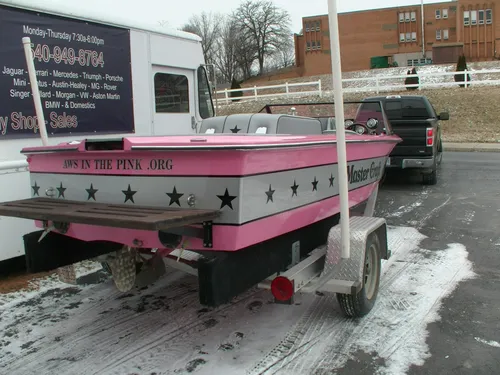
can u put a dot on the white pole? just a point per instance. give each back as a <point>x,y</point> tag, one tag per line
<point>423,31</point>
<point>34,90</point>
<point>340,131</point>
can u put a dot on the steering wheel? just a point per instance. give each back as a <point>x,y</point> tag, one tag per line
<point>358,127</point>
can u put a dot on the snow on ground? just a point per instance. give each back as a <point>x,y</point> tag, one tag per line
<point>94,329</point>
<point>387,79</point>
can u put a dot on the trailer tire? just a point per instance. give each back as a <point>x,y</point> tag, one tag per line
<point>359,305</point>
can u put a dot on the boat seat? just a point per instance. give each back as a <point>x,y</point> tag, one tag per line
<point>238,123</point>
<point>299,125</point>
<point>213,125</point>
<point>324,122</point>
<point>265,123</point>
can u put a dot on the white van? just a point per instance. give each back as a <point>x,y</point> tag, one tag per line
<point>98,77</point>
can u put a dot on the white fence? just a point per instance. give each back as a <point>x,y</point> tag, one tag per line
<point>374,83</point>
<point>255,91</point>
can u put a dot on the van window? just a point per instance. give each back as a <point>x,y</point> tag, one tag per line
<point>204,94</point>
<point>171,93</point>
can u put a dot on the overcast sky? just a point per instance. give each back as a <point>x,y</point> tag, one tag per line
<point>176,12</point>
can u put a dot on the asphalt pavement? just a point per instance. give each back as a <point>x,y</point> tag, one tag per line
<point>437,233</point>
<point>464,207</point>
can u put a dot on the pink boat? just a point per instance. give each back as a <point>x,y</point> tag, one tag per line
<point>241,196</point>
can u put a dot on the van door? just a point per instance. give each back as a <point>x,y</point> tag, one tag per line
<point>174,100</point>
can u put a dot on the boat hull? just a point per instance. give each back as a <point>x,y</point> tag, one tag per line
<point>261,192</point>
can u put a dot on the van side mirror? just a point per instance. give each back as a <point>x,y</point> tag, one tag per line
<point>444,116</point>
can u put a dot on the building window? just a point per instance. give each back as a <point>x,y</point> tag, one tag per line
<point>402,37</point>
<point>308,46</point>
<point>414,36</point>
<point>313,44</point>
<point>473,17</point>
<point>407,16</point>
<point>413,16</point>
<point>466,17</point>
<point>445,13</point>
<point>408,37</point>
<point>438,34</point>
<point>401,17</point>
<point>171,93</point>
<point>438,14</point>
<point>488,16</point>
<point>445,34</point>
<point>307,27</point>
<point>318,45</point>
<point>481,17</point>
<point>318,26</point>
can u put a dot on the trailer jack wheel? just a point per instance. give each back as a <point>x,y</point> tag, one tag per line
<point>360,304</point>
<point>123,267</point>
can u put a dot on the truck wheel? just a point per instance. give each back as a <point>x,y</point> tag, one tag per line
<point>359,305</point>
<point>430,179</point>
<point>439,155</point>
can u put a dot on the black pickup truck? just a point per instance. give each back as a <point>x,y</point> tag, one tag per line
<point>415,121</point>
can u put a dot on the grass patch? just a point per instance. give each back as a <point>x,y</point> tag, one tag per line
<point>474,111</point>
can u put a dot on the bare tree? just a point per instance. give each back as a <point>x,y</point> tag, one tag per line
<point>226,59</point>
<point>207,26</point>
<point>285,53</point>
<point>264,26</point>
<point>246,55</point>
<point>235,56</point>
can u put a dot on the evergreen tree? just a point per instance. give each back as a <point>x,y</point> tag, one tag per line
<point>461,66</point>
<point>234,94</point>
<point>416,79</point>
<point>412,80</point>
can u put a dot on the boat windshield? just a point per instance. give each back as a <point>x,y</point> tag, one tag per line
<point>363,113</point>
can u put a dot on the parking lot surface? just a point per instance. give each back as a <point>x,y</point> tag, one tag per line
<point>437,312</point>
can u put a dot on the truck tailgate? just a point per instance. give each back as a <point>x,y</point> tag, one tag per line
<point>413,134</point>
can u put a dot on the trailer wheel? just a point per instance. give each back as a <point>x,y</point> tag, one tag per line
<point>359,305</point>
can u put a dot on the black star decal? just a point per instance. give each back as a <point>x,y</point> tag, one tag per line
<point>35,189</point>
<point>269,194</point>
<point>129,194</point>
<point>235,129</point>
<point>294,188</point>
<point>226,200</point>
<point>315,184</point>
<point>61,190</point>
<point>331,180</point>
<point>174,197</point>
<point>91,192</point>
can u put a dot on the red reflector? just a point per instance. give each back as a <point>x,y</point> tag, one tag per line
<point>429,141</point>
<point>429,132</point>
<point>282,288</point>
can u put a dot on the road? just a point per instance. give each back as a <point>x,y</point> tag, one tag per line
<point>437,312</point>
<point>467,198</point>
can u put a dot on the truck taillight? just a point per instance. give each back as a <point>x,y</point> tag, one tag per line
<point>430,137</point>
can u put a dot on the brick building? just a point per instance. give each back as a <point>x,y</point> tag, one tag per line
<point>376,38</point>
